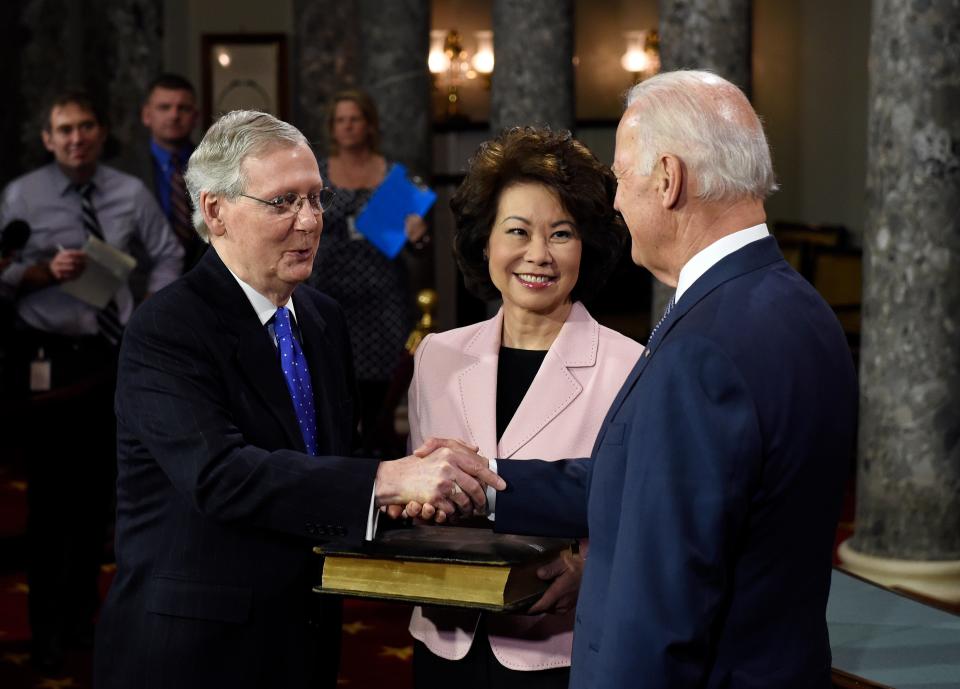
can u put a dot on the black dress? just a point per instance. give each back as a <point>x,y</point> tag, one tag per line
<point>373,292</point>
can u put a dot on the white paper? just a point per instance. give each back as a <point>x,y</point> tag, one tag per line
<point>106,272</point>
<point>40,375</point>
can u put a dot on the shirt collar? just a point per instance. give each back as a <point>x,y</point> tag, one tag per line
<point>163,156</point>
<point>706,258</point>
<point>265,308</point>
<point>66,185</point>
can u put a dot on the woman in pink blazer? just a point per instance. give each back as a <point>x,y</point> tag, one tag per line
<point>535,227</point>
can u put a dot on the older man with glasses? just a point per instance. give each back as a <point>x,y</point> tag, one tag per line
<point>235,410</point>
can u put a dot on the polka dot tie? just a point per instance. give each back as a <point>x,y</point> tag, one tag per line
<point>297,375</point>
<point>666,312</point>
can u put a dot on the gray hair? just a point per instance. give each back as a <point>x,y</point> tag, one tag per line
<point>708,123</point>
<point>216,165</point>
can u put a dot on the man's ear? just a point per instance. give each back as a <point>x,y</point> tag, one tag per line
<point>672,179</point>
<point>47,139</point>
<point>211,206</point>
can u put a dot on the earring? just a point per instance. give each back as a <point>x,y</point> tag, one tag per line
<point>486,256</point>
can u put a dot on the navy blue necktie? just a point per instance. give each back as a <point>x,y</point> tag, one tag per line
<point>666,312</point>
<point>297,375</point>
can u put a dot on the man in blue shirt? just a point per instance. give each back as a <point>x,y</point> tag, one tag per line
<point>170,114</point>
<point>70,430</point>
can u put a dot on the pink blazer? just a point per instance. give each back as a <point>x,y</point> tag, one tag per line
<point>453,394</point>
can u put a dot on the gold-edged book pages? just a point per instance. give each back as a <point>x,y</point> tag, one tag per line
<point>435,565</point>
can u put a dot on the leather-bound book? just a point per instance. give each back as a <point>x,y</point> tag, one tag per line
<point>442,565</point>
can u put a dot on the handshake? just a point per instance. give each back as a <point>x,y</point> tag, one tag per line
<point>443,478</point>
<point>440,479</point>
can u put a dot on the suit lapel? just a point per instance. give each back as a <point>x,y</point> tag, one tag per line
<point>753,256</point>
<point>255,353</point>
<point>477,384</point>
<point>317,349</point>
<point>257,357</point>
<point>554,388</point>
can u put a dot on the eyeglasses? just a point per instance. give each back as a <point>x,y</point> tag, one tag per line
<point>290,203</point>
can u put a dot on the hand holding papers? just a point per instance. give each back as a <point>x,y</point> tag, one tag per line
<point>106,271</point>
<point>382,219</point>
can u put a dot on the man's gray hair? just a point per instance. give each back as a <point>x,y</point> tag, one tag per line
<point>709,124</point>
<point>216,166</point>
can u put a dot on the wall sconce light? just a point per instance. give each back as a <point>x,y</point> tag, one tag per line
<point>450,64</point>
<point>642,58</point>
<point>483,59</point>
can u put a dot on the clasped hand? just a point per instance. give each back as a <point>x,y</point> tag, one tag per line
<point>440,479</point>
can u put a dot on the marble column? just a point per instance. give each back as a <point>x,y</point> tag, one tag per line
<point>123,56</point>
<point>533,77</point>
<point>326,35</point>
<point>12,44</point>
<point>908,480</point>
<point>394,42</point>
<point>703,34</point>
<point>111,48</point>
<point>50,62</point>
<point>707,34</point>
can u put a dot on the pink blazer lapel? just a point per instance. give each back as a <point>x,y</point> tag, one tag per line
<point>554,387</point>
<point>478,386</point>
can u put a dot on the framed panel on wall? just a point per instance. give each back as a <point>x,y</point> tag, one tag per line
<point>244,72</point>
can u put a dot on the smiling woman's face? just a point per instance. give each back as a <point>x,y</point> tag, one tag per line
<point>534,249</point>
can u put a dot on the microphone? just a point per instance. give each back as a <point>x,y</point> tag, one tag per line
<point>14,237</point>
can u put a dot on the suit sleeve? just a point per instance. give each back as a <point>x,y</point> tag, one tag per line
<point>543,498</point>
<point>692,455</point>
<point>173,409</point>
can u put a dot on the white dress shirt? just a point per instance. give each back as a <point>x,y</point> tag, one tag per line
<point>705,259</point>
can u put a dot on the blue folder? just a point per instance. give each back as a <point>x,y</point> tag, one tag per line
<point>382,219</point>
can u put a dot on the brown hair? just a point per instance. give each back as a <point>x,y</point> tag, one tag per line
<point>171,82</point>
<point>586,188</point>
<point>82,100</point>
<point>370,114</point>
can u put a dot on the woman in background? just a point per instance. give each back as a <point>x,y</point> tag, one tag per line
<point>535,226</point>
<point>370,287</point>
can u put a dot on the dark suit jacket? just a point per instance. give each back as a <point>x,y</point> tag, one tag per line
<point>714,491</point>
<point>217,506</point>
